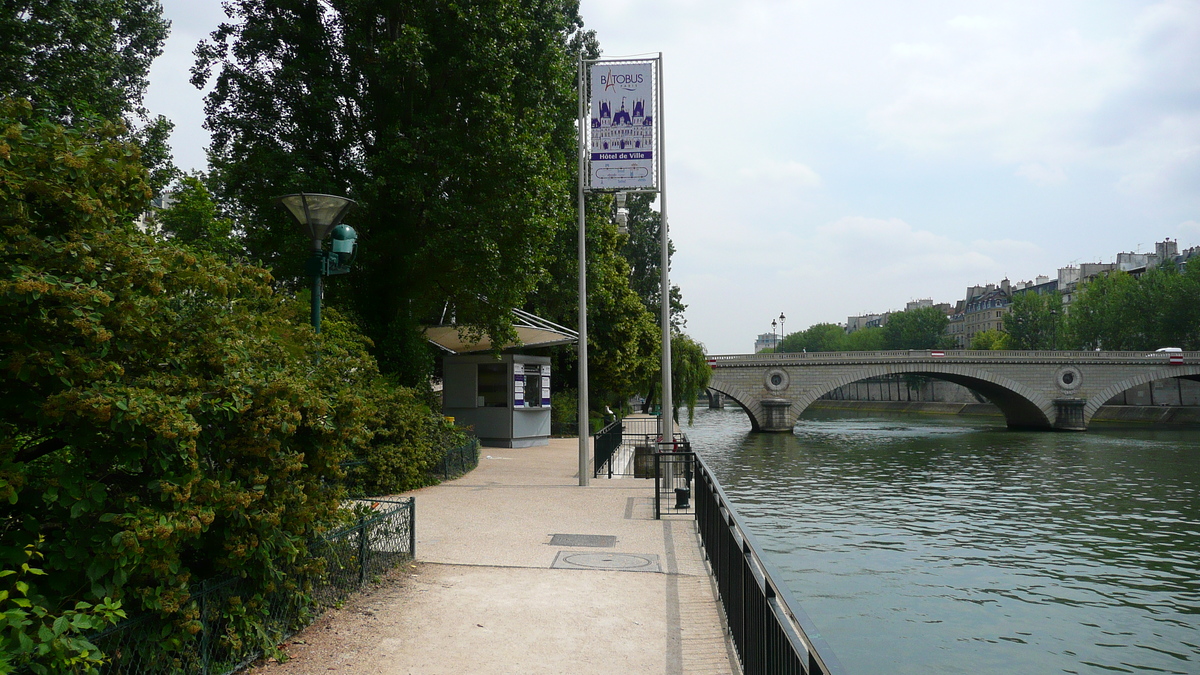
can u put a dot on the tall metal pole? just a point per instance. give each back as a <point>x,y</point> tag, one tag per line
<point>584,422</point>
<point>666,421</point>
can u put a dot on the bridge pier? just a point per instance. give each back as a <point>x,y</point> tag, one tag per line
<point>775,415</point>
<point>1070,415</point>
<point>716,400</point>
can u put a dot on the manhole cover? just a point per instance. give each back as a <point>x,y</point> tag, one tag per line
<point>596,540</point>
<point>613,562</point>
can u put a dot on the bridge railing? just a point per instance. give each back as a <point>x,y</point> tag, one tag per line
<point>957,354</point>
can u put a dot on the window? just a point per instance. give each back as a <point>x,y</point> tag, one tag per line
<point>493,385</point>
<point>533,386</point>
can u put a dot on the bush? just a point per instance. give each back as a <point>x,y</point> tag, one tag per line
<point>409,442</point>
<point>164,416</point>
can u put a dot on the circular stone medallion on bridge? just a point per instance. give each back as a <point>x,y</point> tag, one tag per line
<point>1068,378</point>
<point>777,380</point>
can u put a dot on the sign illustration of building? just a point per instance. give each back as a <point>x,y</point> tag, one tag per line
<point>622,126</point>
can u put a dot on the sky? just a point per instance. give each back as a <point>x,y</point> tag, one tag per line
<point>833,158</point>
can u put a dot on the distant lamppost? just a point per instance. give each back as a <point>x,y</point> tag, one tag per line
<point>774,341</point>
<point>782,334</point>
<point>317,216</point>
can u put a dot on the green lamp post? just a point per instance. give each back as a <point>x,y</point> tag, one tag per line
<point>318,215</point>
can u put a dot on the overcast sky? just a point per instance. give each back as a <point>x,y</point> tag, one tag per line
<point>831,158</point>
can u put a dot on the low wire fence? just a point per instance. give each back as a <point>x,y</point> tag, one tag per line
<point>769,630</point>
<point>459,460</point>
<point>229,625</point>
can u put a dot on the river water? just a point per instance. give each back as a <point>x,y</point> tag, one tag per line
<point>923,544</point>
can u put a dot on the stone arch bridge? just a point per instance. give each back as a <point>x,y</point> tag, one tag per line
<point>1034,389</point>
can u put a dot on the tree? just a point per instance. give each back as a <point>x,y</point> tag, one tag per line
<point>193,218</point>
<point>1106,314</point>
<point>821,337</point>
<point>920,328</point>
<point>865,340</point>
<point>1034,321</point>
<point>1118,311</point>
<point>991,339</point>
<point>80,58</point>
<point>643,250</point>
<point>452,125</point>
<point>690,374</point>
<point>74,59</point>
<point>623,337</point>
<point>165,416</point>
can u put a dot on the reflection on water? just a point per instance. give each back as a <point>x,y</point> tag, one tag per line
<point>952,545</point>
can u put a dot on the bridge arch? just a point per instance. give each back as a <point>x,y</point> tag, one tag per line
<point>743,398</point>
<point>1163,373</point>
<point>1023,407</point>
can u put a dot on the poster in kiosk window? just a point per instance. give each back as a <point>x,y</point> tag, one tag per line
<point>622,126</point>
<point>519,390</point>
<point>546,385</point>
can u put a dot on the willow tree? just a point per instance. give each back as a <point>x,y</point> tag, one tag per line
<point>690,373</point>
<point>452,124</point>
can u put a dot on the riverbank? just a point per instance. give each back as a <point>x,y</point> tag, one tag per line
<point>522,570</point>
<point>1137,414</point>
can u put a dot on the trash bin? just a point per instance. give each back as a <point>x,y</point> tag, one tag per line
<point>682,497</point>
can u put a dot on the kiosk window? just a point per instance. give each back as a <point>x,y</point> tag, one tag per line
<point>533,386</point>
<point>492,385</point>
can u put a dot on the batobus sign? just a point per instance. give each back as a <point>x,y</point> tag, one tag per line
<point>622,125</point>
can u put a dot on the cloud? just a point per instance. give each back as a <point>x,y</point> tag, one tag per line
<point>1188,232</point>
<point>1042,174</point>
<point>781,174</point>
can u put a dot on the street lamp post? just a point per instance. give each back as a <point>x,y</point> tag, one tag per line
<point>318,215</point>
<point>774,341</point>
<point>782,334</point>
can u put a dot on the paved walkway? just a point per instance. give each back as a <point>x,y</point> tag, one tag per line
<point>492,593</point>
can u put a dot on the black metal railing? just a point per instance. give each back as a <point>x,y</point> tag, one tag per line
<point>769,630</point>
<point>673,474</point>
<point>626,448</point>
<point>605,445</point>
<point>228,626</point>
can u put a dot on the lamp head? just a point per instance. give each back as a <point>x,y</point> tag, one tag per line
<point>317,214</point>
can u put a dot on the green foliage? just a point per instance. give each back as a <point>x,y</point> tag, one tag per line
<point>88,59</point>
<point>164,416</point>
<point>407,442</point>
<point>643,250</point>
<point>1033,321</point>
<point>453,125</point>
<point>80,58</point>
<point>821,337</point>
<point>920,328</point>
<point>194,219</point>
<point>564,417</point>
<point>1117,311</point>
<point>33,638</point>
<point>994,339</point>
<point>864,340</point>
<point>690,374</point>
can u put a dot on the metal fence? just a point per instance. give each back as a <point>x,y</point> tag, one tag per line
<point>673,474</point>
<point>459,460</point>
<point>626,448</point>
<point>229,626</point>
<point>769,630</point>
